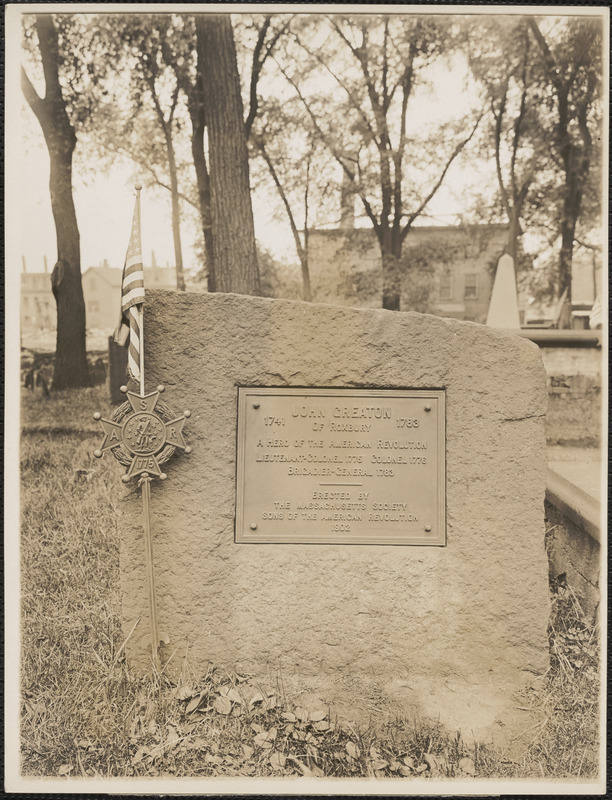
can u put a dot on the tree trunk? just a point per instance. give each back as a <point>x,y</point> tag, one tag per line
<point>176,215</point>
<point>70,354</point>
<point>235,253</point>
<point>391,251</point>
<point>568,232</point>
<point>512,246</point>
<point>198,123</point>
<point>203,181</point>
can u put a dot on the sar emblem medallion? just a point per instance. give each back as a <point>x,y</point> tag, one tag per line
<point>143,434</point>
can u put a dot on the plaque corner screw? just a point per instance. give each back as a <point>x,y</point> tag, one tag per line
<point>428,407</point>
<point>253,526</point>
<point>256,404</point>
<point>428,528</point>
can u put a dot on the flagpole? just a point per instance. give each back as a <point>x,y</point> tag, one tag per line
<point>145,484</point>
<point>137,188</point>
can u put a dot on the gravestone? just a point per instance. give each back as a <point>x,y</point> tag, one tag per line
<point>503,307</point>
<point>117,370</point>
<point>362,512</point>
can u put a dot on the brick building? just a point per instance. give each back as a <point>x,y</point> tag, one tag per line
<point>101,292</point>
<point>448,269</point>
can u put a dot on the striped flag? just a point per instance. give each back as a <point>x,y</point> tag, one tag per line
<point>128,333</point>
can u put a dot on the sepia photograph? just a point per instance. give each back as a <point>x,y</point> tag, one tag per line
<point>306,387</point>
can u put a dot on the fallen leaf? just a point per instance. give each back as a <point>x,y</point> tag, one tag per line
<point>256,698</point>
<point>421,768</point>
<point>247,751</point>
<point>237,711</point>
<point>379,764</point>
<point>323,725</point>
<point>234,696</point>
<point>172,739</point>
<point>222,705</point>
<point>65,769</point>
<point>375,754</point>
<point>302,714</point>
<point>394,766</point>
<point>193,704</point>
<point>289,716</point>
<point>301,766</point>
<point>257,728</point>
<point>140,754</point>
<point>261,740</point>
<point>409,762</point>
<point>431,760</point>
<point>405,771</point>
<point>277,760</point>
<point>184,692</point>
<point>467,765</point>
<point>211,758</point>
<point>352,749</point>
<point>199,743</point>
<point>317,716</point>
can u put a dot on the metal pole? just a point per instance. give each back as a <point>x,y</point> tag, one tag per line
<point>145,483</point>
<point>141,325</point>
<point>137,189</point>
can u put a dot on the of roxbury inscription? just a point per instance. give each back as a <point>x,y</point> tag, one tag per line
<point>341,466</point>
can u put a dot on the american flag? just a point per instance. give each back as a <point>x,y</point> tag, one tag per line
<point>132,297</point>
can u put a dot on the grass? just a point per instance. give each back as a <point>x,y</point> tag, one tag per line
<point>85,715</point>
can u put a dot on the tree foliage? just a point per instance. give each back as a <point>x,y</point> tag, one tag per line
<point>542,80</point>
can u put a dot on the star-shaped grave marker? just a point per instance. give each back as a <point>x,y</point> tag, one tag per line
<point>143,434</point>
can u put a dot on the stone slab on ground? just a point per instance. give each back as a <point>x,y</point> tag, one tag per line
<point>579,465</point>
<point>448,632</point>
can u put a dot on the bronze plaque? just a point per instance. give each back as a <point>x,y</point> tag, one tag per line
<point>341,466</point>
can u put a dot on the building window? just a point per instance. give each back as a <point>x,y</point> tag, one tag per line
<point>446,289</point>
<point>471,286</point>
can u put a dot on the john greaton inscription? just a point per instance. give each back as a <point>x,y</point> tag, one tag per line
<point>341,466</point>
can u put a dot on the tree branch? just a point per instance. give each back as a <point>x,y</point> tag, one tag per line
<point>32,97</point>
<point>255,72</point>
<point>438,183</point>
<point>498,117</point>
<point>326,139</point>
<point>355,103</point>
<point>549,59</point>
<point>294,230</point>
<point>258,62</point>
